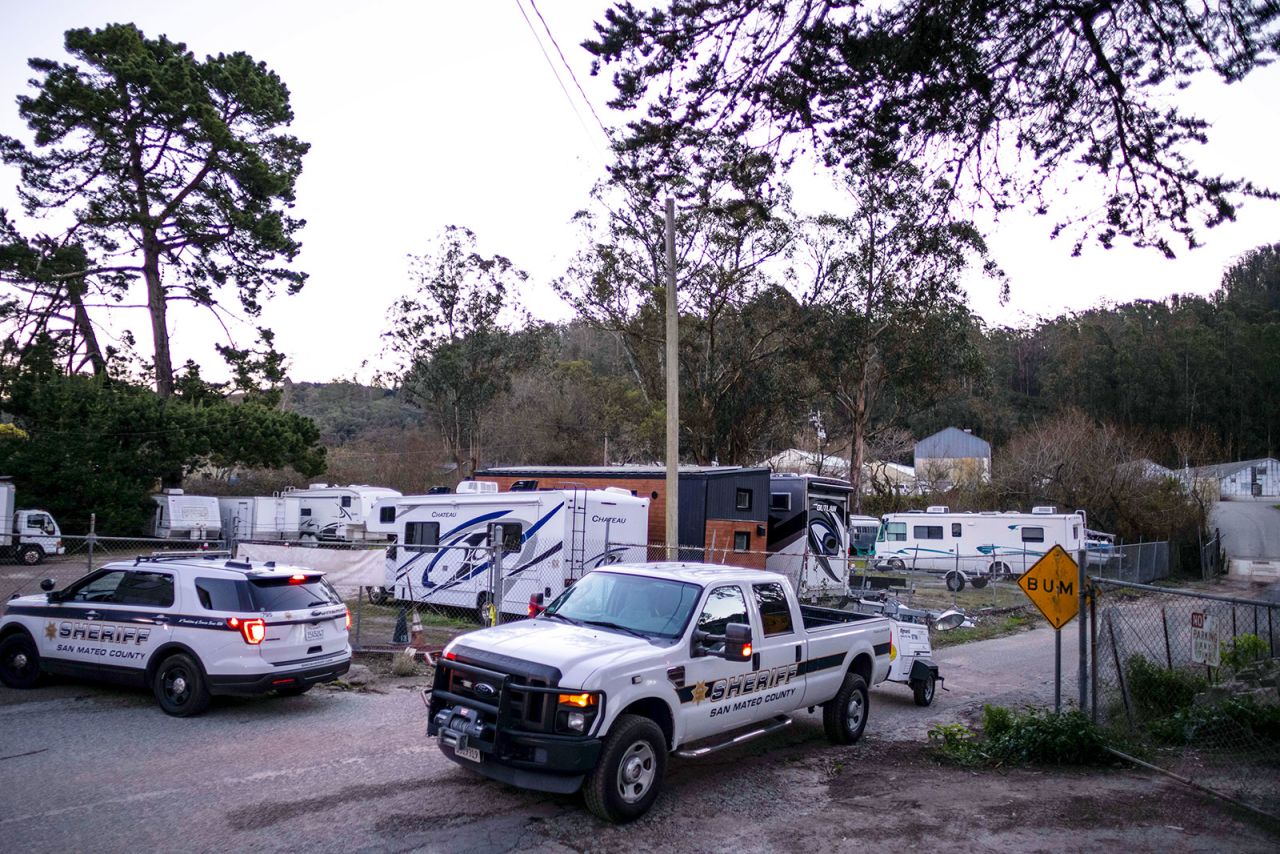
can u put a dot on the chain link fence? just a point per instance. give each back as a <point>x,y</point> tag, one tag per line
<point>1188,682</point>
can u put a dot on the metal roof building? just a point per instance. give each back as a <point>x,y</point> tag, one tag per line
<point>952,444</point>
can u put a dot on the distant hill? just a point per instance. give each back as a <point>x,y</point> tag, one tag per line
<point>345,411</point>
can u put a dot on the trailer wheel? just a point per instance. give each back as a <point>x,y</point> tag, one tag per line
<point>955,581</point>
<point>1000,568</point>
<point>482,608</point>
<point>30,555</point>
<point>378,595</point>
<point>980,581</point>
<point>896,564</point>
<point>924,689</point>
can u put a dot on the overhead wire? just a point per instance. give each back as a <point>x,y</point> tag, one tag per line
<point>551,64</point>
<point>568,67</point>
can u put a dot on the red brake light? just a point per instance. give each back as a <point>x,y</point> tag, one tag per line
<point>253,631</point>
<point>348,619</point>
<point>297,578</point>
<point>450,655</point>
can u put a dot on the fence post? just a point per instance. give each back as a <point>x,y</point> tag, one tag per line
<point>92,537</point>
<point>1168,653</point>
<point>1082,674</point>
<point>359,611</point>
<point>496,585</point>
<point>1093,654</point>
<point>1115,654</point>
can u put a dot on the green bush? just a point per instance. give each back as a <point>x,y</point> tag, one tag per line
<point>1029,737</point>
<point>1245,650</point>
<point>1158,692</point>
<point>1236,722</point>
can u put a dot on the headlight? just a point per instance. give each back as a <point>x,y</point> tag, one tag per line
<point>577,720</point>
<point>576,712</point>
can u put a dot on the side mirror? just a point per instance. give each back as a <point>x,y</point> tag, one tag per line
<point>47,584</point>
<point>737,642</point>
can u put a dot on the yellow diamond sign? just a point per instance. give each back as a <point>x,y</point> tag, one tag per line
<point>1052,585</point>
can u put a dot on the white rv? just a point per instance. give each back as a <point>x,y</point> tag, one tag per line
<point>26,535</point>
<point>339,513</point>
<point>440,555</point>
<point>179,516</point>
<point>808,533</point>
<point>261,517</point>
<point>972,547</point>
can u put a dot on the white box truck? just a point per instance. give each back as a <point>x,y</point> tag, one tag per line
<point>261,517</point>
<point>26,535</point>
<point>179,516</point>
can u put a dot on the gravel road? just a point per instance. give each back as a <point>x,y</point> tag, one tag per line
<point>87,766</point>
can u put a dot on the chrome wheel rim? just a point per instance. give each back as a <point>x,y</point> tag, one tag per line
<point>20,661</point>
<point>855,711</point>
<point>636,772</point>
<point>176,687</point>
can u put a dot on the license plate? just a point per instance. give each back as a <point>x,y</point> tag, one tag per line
<point>469,753</point>
<point>315,633</point>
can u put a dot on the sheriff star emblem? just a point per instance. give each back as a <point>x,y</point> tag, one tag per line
<point>699,692</point>
<point>50,630</point>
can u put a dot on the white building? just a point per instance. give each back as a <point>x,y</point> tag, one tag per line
<point>950,457</point>
<point>1243,479</point>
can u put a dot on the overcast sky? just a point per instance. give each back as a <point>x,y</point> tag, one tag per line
<point>427,114</point>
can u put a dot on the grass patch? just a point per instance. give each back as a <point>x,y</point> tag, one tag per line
<point>429,618</point>
<point>1022,738</point>
<point>991,627</point>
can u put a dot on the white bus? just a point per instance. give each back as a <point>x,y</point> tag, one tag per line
<point>973,547</point>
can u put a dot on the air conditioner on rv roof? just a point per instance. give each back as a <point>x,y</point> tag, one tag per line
<point>936,508</point>
<point>477,487</point>
<point>1047,510</point>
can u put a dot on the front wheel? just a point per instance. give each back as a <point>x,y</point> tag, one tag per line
<point>844,717</point>
<point>924,689</point>
<point>896,564</point>
<point>179,686</point>
<point>626,781</point>
<point>19,661</point>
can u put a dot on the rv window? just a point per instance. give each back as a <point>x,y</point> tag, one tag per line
<point>304,512</point>
<point>775,612</point>
<point>512,535</point>
<point>744,499</point>
<point>955,529</point>
<point>421,534</point>
<point>895,532</point>
<point>1033,535</point>
<point>780,501</point>
<point>346,501</point>
<point>927,532</point>
<point>1075,532</point>
<point>741,541</point>
<point>387,515</point>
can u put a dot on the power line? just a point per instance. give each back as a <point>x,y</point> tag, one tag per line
<point>554,71</point>
<point>568,68</point>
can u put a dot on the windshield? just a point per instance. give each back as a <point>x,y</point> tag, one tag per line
<point>653,607</point>
<point>280,594</point>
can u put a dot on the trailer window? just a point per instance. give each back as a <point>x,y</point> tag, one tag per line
<point>346,501</point>
<point>895,532</point>
<point>387,515</point>
<point>421,534</point>
<point>927,532</point>
<point>725,605</point>
<point>780,501</point>
<point>955,529</point>
<point>305,511</point>
<point>775,611</point>
<point>744,499</point>
<point>1033,535</point>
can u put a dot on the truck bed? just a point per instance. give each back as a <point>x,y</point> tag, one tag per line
<point>819,618</point>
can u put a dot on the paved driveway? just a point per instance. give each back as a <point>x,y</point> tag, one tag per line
<point>1251,528</point>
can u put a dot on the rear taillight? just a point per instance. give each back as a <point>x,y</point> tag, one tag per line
<point>253,631</point>
<point>535,605</point>
<point>348,619</point>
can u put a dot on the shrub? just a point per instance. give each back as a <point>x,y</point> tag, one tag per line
<point>1158,692</point>
<point>1245,650</point>
<point>1235,722</point>
<point>1029,737</point>
<point>957,743</point>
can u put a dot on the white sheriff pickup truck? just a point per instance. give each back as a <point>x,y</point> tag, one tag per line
<point>634,662</point>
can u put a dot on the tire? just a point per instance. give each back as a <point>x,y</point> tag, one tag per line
<point>980,581</point>
<point>924,689</point>
<point>294,690</point>
<point>626,781</point>
<point>19,661</point>
<point>844,717</point>
<point>30,555</point>
<point>482,608</point>
<point>378,595</point>
<point>1000,568</point>
<point>955,581</point>
<point>896,564</point>
<point>179,686</point>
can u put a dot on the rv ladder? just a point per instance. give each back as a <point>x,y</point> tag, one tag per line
<point>578,534</point>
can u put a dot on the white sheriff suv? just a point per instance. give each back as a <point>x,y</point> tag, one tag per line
<point>187,627</point>
<point>638,661</point>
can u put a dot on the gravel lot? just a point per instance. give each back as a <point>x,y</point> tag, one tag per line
<point>351,770</point>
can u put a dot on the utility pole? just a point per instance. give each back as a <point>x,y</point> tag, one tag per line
<point>673,391</point>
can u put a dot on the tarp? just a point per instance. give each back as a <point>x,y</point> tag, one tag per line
<point>345,568</point>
